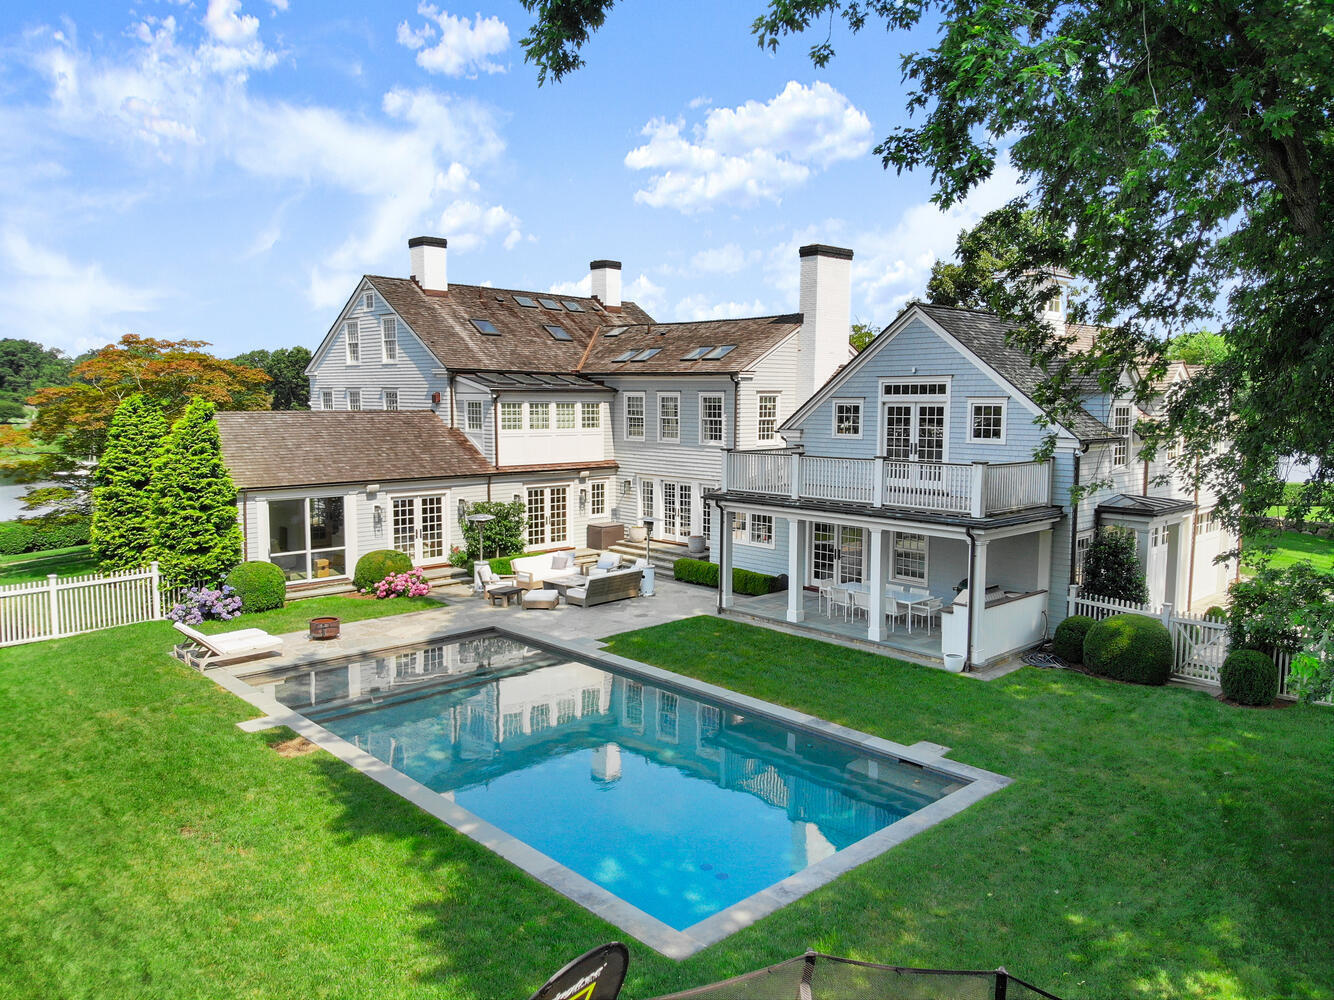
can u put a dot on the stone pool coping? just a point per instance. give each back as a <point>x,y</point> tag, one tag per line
<point>651,931</point>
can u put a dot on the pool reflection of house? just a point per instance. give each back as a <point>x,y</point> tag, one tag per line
<point>463,715</point>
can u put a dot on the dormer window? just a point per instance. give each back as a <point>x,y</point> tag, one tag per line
<point>1054,304</point>
<point>1121,428</point>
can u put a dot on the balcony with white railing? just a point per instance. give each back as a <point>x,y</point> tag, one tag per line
<point>974,489</point>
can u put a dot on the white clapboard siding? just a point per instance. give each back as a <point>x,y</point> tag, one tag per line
<point>55,607</point>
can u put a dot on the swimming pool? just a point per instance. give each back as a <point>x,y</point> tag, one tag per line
<point>677,810</point>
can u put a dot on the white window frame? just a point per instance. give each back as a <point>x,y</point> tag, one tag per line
<point>1001,401</point>
<point>509,406</point>
<point>352,341</point>
<point>391,394</point>
<point>1121,448</point>
<point>595,508</point>
<point>389,339</point>
<point>563,408</point>
<point>368,300</point>
<point>468,405</point>
<point>535,407</point>
<point>587,409</point>
<point>1082,541</point>
<point>326,399</point>
<point>860,404</point>
<point>643,416</point>
<point>676,398</point>
<point>750,538</point>
<point>894,559</point>
<point>354,394</point>
<point>721,441</point>
<point>760,418</point>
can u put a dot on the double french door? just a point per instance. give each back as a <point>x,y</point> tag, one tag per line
<point>548,515</point>
<point>837,553</point>
<point>677,510</point>
<point>419,526</point>
<point>914,441</point>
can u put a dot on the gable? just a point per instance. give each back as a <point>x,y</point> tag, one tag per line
<point>352,309</point>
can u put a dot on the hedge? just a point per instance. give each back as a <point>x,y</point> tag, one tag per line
<point>40,534</point>
<point>262,586</point>
<point>375,565</point>
<point>1068,641</point>
<point>1249,677</point>
<point>1132,648</point>
<point>744,581</point>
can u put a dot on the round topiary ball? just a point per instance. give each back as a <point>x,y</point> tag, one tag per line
<point>1216,612</point>
<point>260,585</point>
<point>1068,640</point>
<point>1249,677</point>
<point>1130,648</point>
<point>375,565</point>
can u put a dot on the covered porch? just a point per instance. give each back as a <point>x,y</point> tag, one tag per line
<point>957,590</point>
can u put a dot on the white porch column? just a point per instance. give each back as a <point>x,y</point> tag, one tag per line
<point>875,617</point>
<point>796,569</point>
<point>977,600</point>
<point>1044,560</point>
<point>725,543</point>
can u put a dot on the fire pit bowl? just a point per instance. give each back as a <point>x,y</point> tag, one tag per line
<point>325,628</point>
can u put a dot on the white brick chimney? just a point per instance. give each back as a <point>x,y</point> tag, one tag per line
<point>606,276</point>
<point>427,258</point>
<point>826,307</point>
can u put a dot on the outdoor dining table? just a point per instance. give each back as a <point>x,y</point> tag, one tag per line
<point>907,598</point>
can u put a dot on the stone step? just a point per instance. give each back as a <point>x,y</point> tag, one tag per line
<point>662,554</point>
<point>439,576</point>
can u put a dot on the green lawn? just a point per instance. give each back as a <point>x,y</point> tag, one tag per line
<point>27,566</point>
<point>1156,843</point>
<point>1294,546</point>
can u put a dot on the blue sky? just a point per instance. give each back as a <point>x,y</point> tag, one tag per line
<point>224,170</point>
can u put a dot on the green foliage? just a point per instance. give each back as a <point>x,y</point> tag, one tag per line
<point>262,586</point>
<point>41,534</point>
<point>1285,608</point>
<point>12,411</point>
<point>26,366</point>
<point>196,537</point>
<point>286,367</point>
<point>1132,648</point>
<point>122,525</point>
<point>1068,640</point>
<point>1111,568</point>
<point>503,534</point>
<point>1311,673</point>
<point>862,335</point>
<point>1216,612</point>
<point>1198,348</point>
<point>375,565</point>
<point>984,253</point>
<point>1249,677</point>
<point>744,581</point>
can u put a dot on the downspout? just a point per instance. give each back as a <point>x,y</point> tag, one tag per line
<point>495,428</point>
<point>1074,517</point>
<point>450,385</point>
<point>1194,536</point>
<point>736,410</point>
<point>972,570</point>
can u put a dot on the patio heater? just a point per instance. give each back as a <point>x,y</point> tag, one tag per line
<point>646,588</point>
<point>480,520</point>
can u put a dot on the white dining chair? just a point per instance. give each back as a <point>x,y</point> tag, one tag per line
<point>927,610</point>
<point>826,597</point>
<point>839,597</point>
<point>861,602</point>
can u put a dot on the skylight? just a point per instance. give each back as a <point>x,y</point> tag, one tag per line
<point>549,304</point>
<point>645,355</point>
<point>485,326</point>
<point>574,307</point>
<point>525,301</point>
<point>557,332</point>
<point>696,353</point>
<point>624,357</point>
<point>612,331</point>
<point>720,352</point>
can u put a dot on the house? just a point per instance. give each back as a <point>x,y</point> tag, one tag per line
<point>913,467</point>
<point>429,396</point>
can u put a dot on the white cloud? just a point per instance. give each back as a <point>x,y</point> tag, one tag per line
<point>749,153</point>
<point>582,287</point>
<point>701,307</point>
<point>727,259</point>
<point>468,225</point>
<point>642,291</point>
<point>65,304</point>
<point>464,49</point>
<point>235,47</point>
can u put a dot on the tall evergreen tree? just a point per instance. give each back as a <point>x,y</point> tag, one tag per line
<point>196,537</point>
<point>121,533</point>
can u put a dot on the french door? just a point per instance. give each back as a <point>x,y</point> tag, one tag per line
<point>914,438</point>
<point>419,526</point>
<point>548,515</point>
<point>837,553</point>
<point>677,510</point>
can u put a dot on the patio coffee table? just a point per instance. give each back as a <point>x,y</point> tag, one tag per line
<point>560,584</point>
<point>507,592</point>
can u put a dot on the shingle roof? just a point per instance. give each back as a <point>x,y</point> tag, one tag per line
<point>442,323</point>
<point>984,334</point>
<point>1135,505</point>
<point>515,381</point>
<point>750,339</point>
<point>318,447</point>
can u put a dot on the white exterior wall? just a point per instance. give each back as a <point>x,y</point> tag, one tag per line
<point>529,446</point>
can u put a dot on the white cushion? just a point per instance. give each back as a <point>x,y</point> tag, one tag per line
<point>577,592</point>
<point>609,561</point>
<point>562,560</point>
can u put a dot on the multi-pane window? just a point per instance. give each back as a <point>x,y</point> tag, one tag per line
<point>848,418</point>
<point>354,399</point>
<point>668,707</point>
<point>634,416</point>
<point>1081,550</point>
<point>738,526</point>
<point>767,429</point>
<point>389,331</point>
<point>710,419</point>
<point>590,701</point>
<point>987,421</point>
<point>669,416</point>
<point>1205,522</point>
<point>368,300</point>
<point>598,493</point>
<point>511,725</point>
<point>895,389</point>
<point>539,416</point>
<point>761,529</point>
<point>706,520</point>
<point>511,416</point>
<point>1121,428</point>
<point>565,416</point>
<point>474,414</point>
<point>539,718</point>
<point>565,711</point>
<point>590,416</point>
<point>326,399</point>
<point>646,497</point>
<point>634,703</point>
<point>352,334</point>
<point>910,556</point>
<point>391,399</point>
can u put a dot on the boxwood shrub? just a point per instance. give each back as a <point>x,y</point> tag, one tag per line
<point>1249,677</point>
<point>744,581</point>
<point>1131,648</point>
<point>1068,641</point>
<point>42,534</point>
<point>375,565</point>
<point>262,586</point>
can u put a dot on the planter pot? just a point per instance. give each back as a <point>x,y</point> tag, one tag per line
<point>637,533</point>
<point>696,545</point>
<point>954,663</point>
<point>325,628</point>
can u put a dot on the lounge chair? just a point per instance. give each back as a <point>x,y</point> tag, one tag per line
<point>484,578</point>
<point>204,651</point>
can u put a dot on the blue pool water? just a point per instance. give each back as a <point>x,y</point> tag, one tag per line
<point>679,806</point>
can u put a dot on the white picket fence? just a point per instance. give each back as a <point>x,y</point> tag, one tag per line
<point>1199,644</point>
<point>56,607</point>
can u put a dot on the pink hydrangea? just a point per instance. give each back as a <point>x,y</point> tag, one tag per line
<point>413,583</point>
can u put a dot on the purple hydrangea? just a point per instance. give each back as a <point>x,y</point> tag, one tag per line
<point>207,604</point>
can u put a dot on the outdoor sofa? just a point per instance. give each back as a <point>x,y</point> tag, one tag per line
<point>530,572</point>
<point>616,585</point>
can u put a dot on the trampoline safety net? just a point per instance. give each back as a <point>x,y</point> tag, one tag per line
<point>824,977</point>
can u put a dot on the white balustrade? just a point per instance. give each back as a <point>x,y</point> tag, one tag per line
<point>851,480</point>
<point>1014,485</point>
<point>760,472</point>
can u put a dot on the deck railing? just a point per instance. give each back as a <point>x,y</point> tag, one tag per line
<point>975,489</point>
